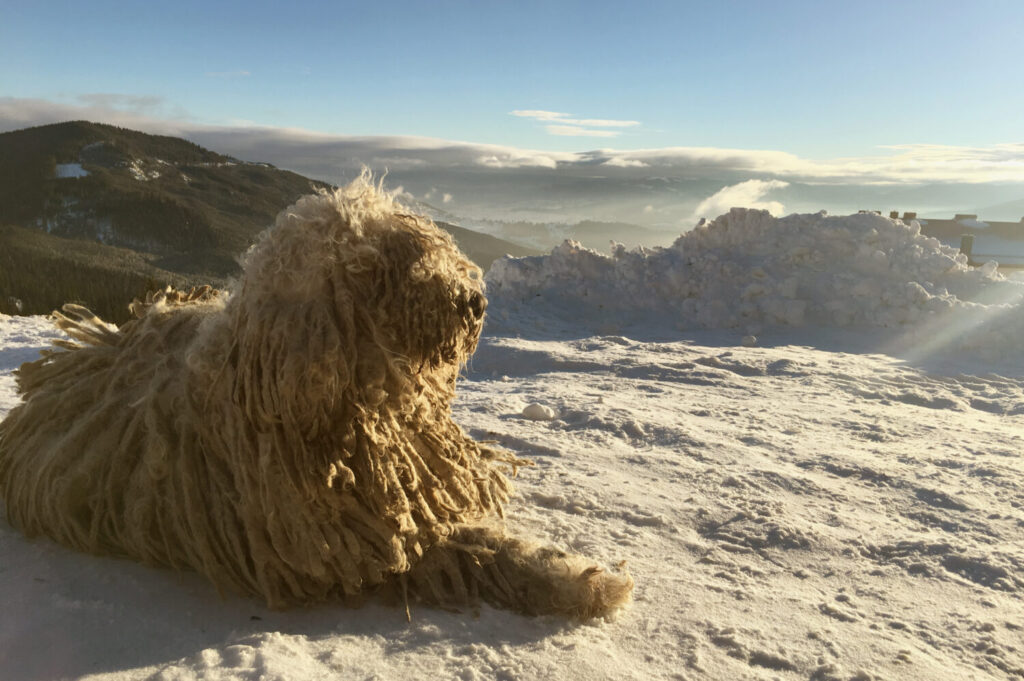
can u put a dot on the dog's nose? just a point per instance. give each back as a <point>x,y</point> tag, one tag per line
<point>477,305</point>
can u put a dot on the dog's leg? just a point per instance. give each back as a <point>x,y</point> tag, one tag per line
<point>483,563</point>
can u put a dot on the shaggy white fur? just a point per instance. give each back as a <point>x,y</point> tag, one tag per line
<point>293,438</point>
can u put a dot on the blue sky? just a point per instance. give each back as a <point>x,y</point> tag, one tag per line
<point>819,79</point>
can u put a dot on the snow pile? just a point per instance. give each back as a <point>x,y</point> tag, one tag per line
<point>747,270</point>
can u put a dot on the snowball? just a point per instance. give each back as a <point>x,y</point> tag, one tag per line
<point>538,412</point>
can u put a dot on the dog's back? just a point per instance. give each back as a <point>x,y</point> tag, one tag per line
<point>71,453</point>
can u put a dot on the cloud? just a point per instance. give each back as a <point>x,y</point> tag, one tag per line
<point>445,196</point>
<point>148,113</point>
<point>619,162</point>
<point>577,131</point>
<point>114,101</point>
<point>743,195</point>
<point>898,164</point>
<point>540,115</point>
<point>684,158</point>
<point>565,125</point>
<point>339,157</point>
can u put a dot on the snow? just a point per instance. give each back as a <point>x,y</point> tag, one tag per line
<point>832,501</point>
<point>536,411</point>
<point>139,172</point>
<point>75,170</point>
<point>747,270</point>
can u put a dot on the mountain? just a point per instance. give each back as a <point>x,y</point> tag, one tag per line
<point>484,249</point>
<point>92,207</point>
<point>39,272</point>
<point>192,209</point>
<point>1007,210</point>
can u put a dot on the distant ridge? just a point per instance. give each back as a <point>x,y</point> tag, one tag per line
<point>153,209</point>
<point>484,249</point>
<point>192,210</point>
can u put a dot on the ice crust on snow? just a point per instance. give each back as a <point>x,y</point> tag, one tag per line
<point>748,270</point>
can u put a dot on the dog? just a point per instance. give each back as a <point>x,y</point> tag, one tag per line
<point>291,438</point>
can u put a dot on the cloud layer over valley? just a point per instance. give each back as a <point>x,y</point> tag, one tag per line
<point>665,188</point>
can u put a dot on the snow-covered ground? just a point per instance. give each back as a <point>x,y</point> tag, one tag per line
<point>140,173</point>
<point>70,170</point>
<point>831,501</point>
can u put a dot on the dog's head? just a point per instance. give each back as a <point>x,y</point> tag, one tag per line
<point>349,292</point>
<point>421,297</point>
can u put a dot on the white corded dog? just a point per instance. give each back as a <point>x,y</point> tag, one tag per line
<point>292,438</point>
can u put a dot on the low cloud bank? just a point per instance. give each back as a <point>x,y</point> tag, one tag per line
<point>328,155</point>
<point>660,189</point>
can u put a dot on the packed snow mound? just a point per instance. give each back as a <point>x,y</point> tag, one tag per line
<point>748,270</point>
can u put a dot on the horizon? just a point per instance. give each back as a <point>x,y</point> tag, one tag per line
<point>571,110</point>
